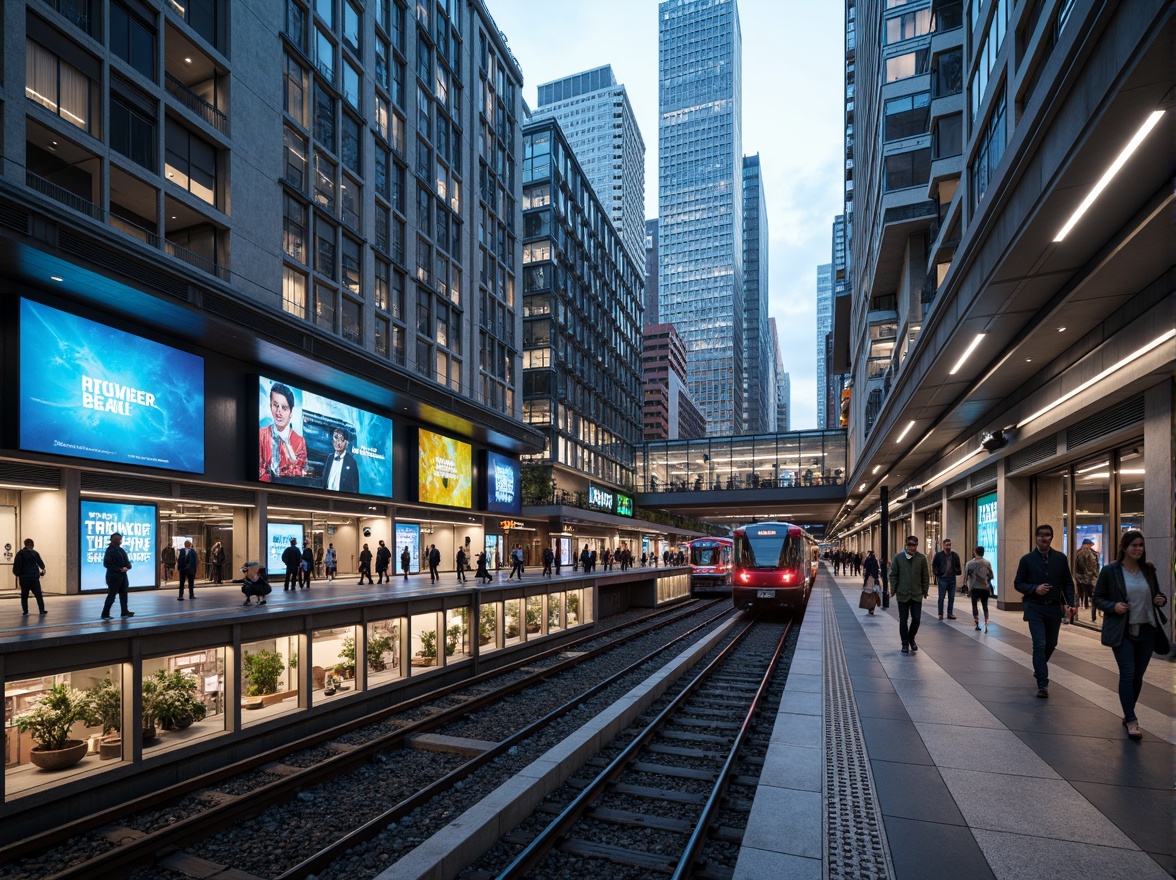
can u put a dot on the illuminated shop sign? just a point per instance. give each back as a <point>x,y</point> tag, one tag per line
<point>503,484</point>
<point>986,524</point>
<point>92,391</point>
<point>407,535</point>
<point>137,525</point>
<point>600,498</point>
<point>624,505</point>
<point>305,439</point>
<point>278,539</point>
<point>444,470</point>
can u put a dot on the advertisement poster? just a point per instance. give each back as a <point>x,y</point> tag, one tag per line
<point>503,484</point>
<point>601,499</point>
<point>91,391</point>
<point>407,535</point>
<point>305,439</point>
<point>136,524</point>
<point>278,539</point>
<point>624,505</point>
<point>986,532</point>
<point>493,560</point>
<point>444,470</point>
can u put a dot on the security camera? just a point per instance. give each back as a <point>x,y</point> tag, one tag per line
<point>367,533</point>
<point>994,440</point>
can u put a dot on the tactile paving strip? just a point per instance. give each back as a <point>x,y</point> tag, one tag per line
<point>855,839</point>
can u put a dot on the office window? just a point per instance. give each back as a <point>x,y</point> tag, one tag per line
<point>399,176</point>
<point>190,162</point>
<point>350,201</point>
<point>133,131</point>
<point>424,106</point>
<point>424,211</point>
<point>907,116</point>
<point>296,24</point>
<point>324,182</point>
<point>324,307</point>
<point>381,71</point>
<point>381,176</point>
<point>990,145</point>
<point>295,90</point>
<point>904,66</point>
<point>324,248</point>
<point>351,25</point>
<point>324,55</point>
<point>909,169</point>
<point>132,39</point>
<point>383,336</point>
<point>382,112</point>
<point>294,292</point>
<point>351,84</point>
<point>294,229</point>
<point>351,320</point>
<point>398,141</point>
<point>326,11</point>
<point>398,81</point>
<point>296,159</point>
<point>380,293</point>
<point>948,76</point>
<point>948,137</point>
<point>908,25</point>
<point>352,132</point>
<point>324,119</point>
<point>58,86</point>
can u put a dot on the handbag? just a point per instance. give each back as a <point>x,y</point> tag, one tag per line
<point>869,600</point>
<point>1161,645</point>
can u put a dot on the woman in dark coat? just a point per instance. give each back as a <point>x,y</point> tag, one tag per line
<point>482,572</point>
<point>1128,594</point>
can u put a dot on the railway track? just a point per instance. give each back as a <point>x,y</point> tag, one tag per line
<point>654,806</point>
<point>332,754</point>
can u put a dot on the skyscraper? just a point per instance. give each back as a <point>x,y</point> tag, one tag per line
<point>783,389</point>
<point>598,121</point>
<point>759,362</point>
<point>824,327</point>
<point>651,272</point>
<point>700,199</point>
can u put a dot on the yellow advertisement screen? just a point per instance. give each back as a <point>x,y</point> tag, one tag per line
<point>446,473</point>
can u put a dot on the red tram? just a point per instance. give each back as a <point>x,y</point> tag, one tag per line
<point>772,566</point>
<point>710,565</point>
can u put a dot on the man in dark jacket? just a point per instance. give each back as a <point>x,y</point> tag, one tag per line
<point>306,564</point>
<point>117,564</point>
<point>945,565</point>
<point>292,559</point>
<point>29,569</point>
<point>341,470</point>
<point>1043,578</point>
<point>405,561</point>
<point>383,563</point>
<point>365,564</point>
<point>434,563</point>
<point>910,584</point>
<point>187,563</point>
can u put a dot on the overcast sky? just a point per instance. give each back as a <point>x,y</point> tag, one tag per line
<point>793,81</point>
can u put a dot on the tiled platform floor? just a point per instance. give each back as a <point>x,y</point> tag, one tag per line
<point>974,775</point>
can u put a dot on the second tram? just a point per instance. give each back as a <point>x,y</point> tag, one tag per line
<point>772,566</point>
<point>710,565</point>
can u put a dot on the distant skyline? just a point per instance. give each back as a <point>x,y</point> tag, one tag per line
<point>793,83</point>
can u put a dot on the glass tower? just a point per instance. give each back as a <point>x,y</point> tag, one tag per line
<point>700,199</point>
<point>759,362</point>
<point>824,328</point>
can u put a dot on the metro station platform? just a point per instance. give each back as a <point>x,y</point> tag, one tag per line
<point>945,763</point>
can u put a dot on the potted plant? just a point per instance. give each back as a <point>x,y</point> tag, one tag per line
<point>261,670</point>
<point>50,723</point>
<point>487,623</point>
<point>105,709</point>
<point>427,655</point>
<point>376,649</point>
<point>177,704</point>
<point>346,669</point>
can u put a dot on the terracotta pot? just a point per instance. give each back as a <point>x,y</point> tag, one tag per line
<point>110,748</point>
<point>59,759</point>
<point>149,733</point>
<point>184,722</point>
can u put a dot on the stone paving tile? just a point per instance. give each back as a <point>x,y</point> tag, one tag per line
<point>756,864</point>
<point>1021,857</point>
<point>977,748</point>
<point>933,851</point>
<point>797,811</point>
<point>914,791</point>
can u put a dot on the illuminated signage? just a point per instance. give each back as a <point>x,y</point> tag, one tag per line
<point>136,524</point>
<point>278,539</point>
<point>624,505</point>
<point>502,481</point>
<point>986,531</point>
<point>407,535</point>
<point>92,391</point>
<point>305,439</point>
<point>507,524</point>
<point>600,498</point>
<point>444,470</point>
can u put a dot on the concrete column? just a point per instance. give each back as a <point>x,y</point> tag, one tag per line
<point>1049,510</point>
<point>1014,531</point>
<point>256,523</point>
<point>1159,484</point>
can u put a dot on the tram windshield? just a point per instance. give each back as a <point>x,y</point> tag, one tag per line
<point>768,548</point>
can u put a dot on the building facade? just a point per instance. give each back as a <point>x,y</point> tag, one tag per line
<point>1011,267</point>
<point>759,382</point>
<point>700,199</point>
<point>783,390</point>
<point>597,119</point>
<point>670,414</point>
<point>824,329</point>
<point>651,272</point>
<point>581,320</point>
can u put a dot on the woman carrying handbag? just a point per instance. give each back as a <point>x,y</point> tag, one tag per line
<point>871,588</point>
<point>1128,594</point>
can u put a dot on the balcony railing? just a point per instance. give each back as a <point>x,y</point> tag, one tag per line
<point>196,104</point>
<point>194,259</point>
<point>63,195</point>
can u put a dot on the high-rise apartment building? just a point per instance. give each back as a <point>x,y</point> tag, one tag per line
<point>700,199</point>
<point>670,414</point>
<point>651,272</point>
<point>824,328</point>
<point>759,363</point>
<point>581,319</point>
<point>597,119</point>
<point>783,390</point>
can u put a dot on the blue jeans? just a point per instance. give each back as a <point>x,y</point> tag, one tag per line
<point>946,586</point>
<point>1133,655</point>
<point>1045,621</point>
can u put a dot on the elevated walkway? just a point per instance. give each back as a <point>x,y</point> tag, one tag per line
<point>945,763</point>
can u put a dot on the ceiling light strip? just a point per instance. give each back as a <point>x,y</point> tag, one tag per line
<point>971,348</point>
<point>905,431</point>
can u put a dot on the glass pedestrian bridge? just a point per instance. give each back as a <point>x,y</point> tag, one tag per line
<point>797,459</point>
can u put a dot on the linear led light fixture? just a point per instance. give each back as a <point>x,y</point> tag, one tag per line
<point>1121,160</point>
<point>1155,343</point>
<point>971,348</point>
<point>905,431</point>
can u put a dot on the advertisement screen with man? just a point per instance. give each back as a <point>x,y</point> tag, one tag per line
<point>92,391</point>
<point>305,439</point>
<point>136,524</point>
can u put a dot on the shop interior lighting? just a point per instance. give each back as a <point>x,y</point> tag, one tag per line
<point>905,431</point>
<point>1135,355</point>
<point>1148,124</point>
<point>877,468</point>
<point>971,348</point>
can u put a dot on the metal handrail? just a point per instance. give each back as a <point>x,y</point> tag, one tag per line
<point>60,194</point>
<point>196,104</point>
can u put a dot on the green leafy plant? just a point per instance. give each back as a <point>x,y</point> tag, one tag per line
<point>534,610</point>
<point>176,698</point>
<point>487,623</point>
<point>49,722</point>
<point>347,655</point>
<point>105,706</point>
<point>428,645</point>
<point>377,647</point>
<point>261,670</point>
<point>452,637</point>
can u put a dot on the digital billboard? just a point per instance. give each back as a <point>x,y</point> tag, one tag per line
<point>407,535</point>
<point>986,523</point>
<point>92,391</point>
<point>600,498</point>
<point>503,482</point>
<point>444,470</point>
<point>305,439</point>
<point>624,505</point>
<point>137,525</point>
<point>277,540</point>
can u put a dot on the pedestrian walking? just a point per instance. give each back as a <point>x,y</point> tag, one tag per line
<point>331,562</point>
<point>978,579</point>
<point>434,563</point>
<point>168,557</point>
<point>548,561</point>
<point>187,563</point>
<point>516,562</point>
<point>117,564</point>
<point>873,580</point>
<point>307,566</point>
<point>482,574</point>
<point>365,564</point>
<point>405,561</point>
<point>1128,594</point>
<point>910,584</point>
<point>29,568</point>
<point>292,559</point>
<point>383,563</point>
<point>461,565</point>
<point>216,559</point>
<point>1086,571</point>
<point>945,565</point>
<point>1043,578</point>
